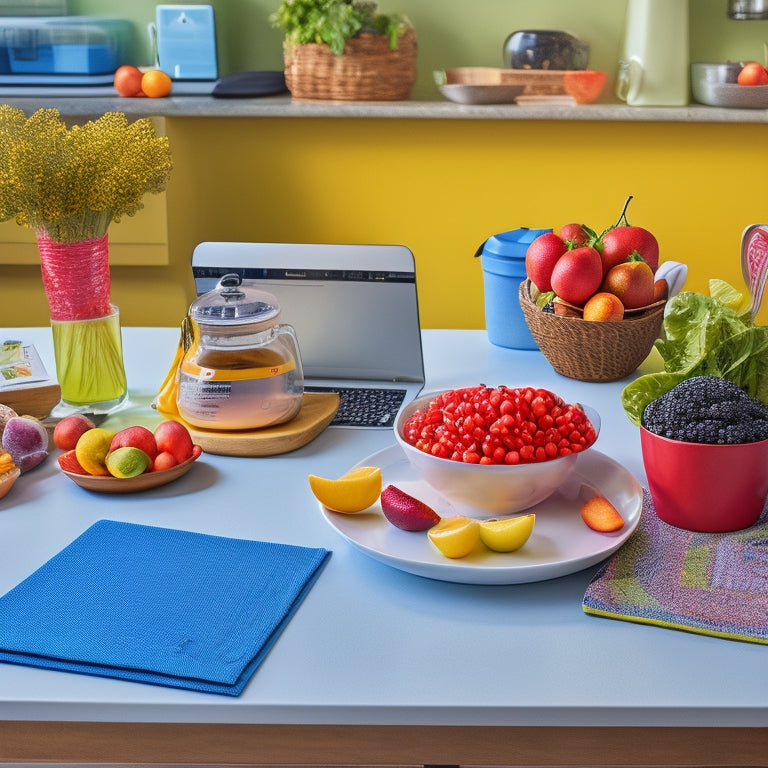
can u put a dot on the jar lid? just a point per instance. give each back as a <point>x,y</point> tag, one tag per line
<point>232,303</point>
<point>512,244</point>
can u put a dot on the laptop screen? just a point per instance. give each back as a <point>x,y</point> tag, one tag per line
<point>354,307</point>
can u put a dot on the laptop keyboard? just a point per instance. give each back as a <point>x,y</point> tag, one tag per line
<point>364,407</point>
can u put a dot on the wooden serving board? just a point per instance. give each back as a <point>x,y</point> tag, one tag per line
<point>32,400</point>
<point>317,412</point>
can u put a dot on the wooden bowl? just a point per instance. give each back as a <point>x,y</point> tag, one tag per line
<point>142,482</point>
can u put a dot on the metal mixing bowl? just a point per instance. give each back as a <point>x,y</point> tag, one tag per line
<point>706,77</point>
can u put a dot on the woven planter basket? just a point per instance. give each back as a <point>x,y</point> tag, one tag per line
<point>589,350</point>
<point>368,70</point>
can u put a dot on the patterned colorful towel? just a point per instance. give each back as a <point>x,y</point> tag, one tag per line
<point>710,583</point>
<point>157,605</point>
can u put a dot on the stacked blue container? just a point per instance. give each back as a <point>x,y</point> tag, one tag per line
<point>503,260</point>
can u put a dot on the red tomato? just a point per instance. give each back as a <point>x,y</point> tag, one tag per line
<point>574,233</point>
<point>753,73</point>
<point>621,242</point>
<point>541,257</point>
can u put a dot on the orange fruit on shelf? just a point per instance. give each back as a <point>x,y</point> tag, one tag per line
<point>127,80</point>
<point>156,84</point>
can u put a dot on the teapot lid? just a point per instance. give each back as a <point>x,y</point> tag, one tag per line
<point>232,303</point>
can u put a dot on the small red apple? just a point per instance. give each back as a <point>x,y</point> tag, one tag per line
<point>67,432</point>
<point>577,274</point>
<point>164,460</point>
<point>174,437</point>
<point>135,437</point>
<point>540,259</point>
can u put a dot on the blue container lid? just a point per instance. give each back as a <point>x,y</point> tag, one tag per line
<point>512,244</point>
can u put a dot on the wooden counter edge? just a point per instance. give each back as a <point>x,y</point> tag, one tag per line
<point>294,745</point>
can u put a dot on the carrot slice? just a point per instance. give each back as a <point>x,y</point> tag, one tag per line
<point>600,515</point>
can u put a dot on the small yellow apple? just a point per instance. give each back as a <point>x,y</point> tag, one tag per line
<point>455,536</point>
<point>507,534</point>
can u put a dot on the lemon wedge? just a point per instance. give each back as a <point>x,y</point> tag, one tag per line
<point>354,491</point>
<point>455,536</point>
<point>507,534</point>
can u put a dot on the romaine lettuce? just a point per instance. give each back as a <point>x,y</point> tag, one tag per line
<point>704,336</point>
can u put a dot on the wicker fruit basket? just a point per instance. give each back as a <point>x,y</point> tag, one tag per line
<point>591,351</point>
<point>368,70</point>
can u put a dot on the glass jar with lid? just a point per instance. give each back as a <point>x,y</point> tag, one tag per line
<point>241,367</point>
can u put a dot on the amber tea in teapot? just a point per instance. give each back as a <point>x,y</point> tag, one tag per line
<point>241,368</point>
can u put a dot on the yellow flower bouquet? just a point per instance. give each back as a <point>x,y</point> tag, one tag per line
<point>69,184</point>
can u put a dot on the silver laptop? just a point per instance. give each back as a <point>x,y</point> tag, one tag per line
<point>355,312</point>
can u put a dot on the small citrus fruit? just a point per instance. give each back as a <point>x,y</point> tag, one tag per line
<point>507,534</point>
<point>352,492</point>
<point>127,80</point>
<point>603,306</point>
<point>156,84</point>
<point>455,536</point>
<point>127,461</point>
<point>92,449</point>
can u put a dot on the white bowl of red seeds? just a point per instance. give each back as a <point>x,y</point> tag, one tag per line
<point>495,451</point>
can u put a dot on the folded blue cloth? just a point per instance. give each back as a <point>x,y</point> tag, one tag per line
<point>708,583</point>
<point>157,605</point>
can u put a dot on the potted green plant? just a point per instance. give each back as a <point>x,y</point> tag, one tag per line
<point>346,50</point>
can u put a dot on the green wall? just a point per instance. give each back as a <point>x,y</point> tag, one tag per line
<point>441,186</point>
<point>455,33</point>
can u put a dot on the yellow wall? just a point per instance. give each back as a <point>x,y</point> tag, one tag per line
<point>443,187</point>
<point>440,187</point>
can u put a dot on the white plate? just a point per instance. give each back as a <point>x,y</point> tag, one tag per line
<point>560,544</point>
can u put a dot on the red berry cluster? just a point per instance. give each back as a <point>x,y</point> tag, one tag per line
<point>499,425</point>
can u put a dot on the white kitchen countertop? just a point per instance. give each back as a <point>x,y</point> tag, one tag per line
<point>372,644</point>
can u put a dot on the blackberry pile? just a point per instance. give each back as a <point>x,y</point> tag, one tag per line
<point>707,409</point>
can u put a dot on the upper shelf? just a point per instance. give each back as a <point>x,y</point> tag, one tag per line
<point>284,106</point>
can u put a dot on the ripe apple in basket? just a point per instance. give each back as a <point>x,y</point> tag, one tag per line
<point>623,241</point>
<point>577,274</point>
<point>575,234</point>
<point>540,259</point>
<point>632,282</point>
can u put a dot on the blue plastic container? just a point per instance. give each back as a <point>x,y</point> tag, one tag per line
<point>503,260</point>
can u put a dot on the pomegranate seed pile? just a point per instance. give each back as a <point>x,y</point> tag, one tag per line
<point>499,425</point>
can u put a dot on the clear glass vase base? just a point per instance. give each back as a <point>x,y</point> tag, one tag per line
<point>105,408</point>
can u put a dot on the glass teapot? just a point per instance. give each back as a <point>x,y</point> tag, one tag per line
<point>241,368</point>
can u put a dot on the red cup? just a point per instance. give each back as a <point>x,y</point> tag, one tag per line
<point>704,487</point>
